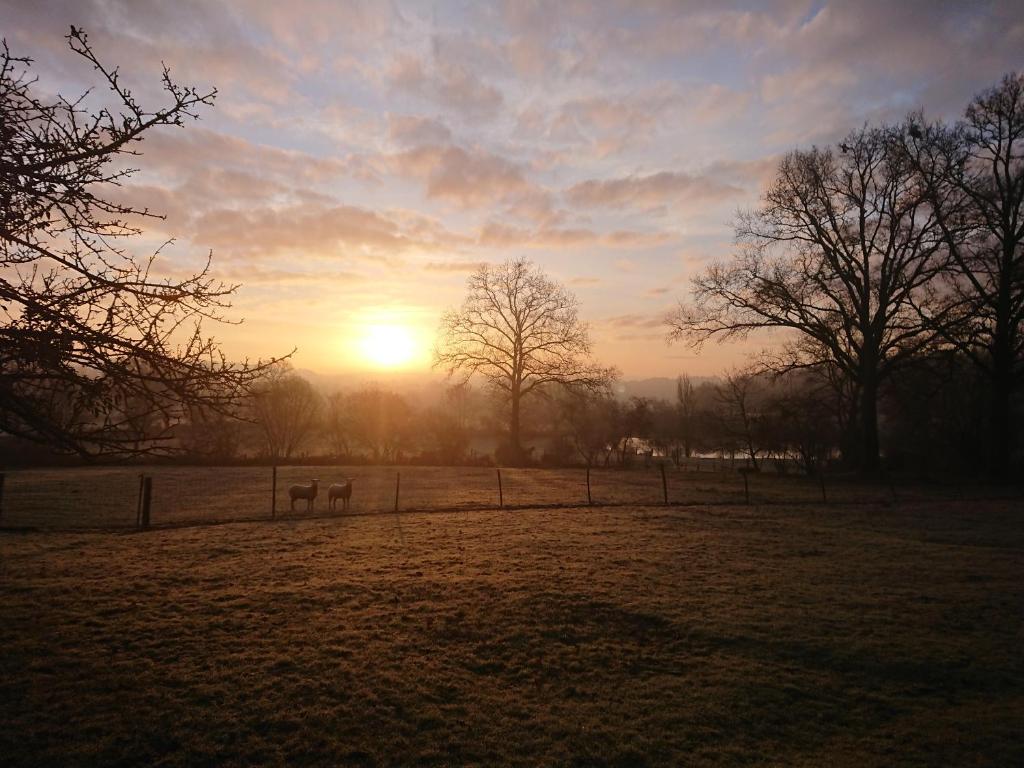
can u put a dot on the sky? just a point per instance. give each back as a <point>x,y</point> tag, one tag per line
<point>363,158</point>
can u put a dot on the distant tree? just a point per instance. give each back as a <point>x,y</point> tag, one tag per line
<point>592,423</point>
<point>382,423</point>
<point>214,435</point>
<point>803,423</point>
<point>337,425</point>
<point>973,178</point>
<point>287,409</point>
<point>99,353</point>
<point>520,331</point>
<point>666,430</point>
<point>686,414</point>
<point>447,425</point>
<point>635,422</point>
<point>841,252</point>
<point>740,413</point>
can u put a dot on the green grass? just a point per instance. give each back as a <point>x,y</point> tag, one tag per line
<point>782,635</point>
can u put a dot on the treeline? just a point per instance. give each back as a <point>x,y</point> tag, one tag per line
<point>891,268</point>
<point>932,421</point>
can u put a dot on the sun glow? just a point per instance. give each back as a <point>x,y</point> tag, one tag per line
<point>389,346</point>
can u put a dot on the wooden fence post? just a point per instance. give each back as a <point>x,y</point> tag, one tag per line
<point>398,484</point>
<point>590,500</point>
<point>138,504</point>
<point>273,493</point>
<point>664,483</point>
<point>501,495</point>
<point>821,478</point>
<point>147,498</point>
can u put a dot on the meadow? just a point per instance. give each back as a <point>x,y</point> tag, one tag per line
<point>798,635</point>
<point>108,496</point>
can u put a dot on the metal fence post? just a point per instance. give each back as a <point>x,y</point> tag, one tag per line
<point>398,484</point>
<point>821,478</point>
<point>501,495</point>
<point>2,476</point>
<point>746,487</point>
<point>664,483</point>
<point>590,501</point>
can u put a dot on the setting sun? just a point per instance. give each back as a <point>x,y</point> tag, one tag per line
<point>388,346</point>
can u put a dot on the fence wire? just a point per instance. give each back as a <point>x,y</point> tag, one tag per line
<point>109,497</point>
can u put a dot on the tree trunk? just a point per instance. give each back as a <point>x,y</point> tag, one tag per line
<point>514,438</point>
<point>1001,438</point>
<point>869,422</point>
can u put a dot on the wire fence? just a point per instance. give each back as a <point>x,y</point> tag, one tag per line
<point>114,497</point>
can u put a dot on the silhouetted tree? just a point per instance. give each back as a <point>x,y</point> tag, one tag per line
<point>287,408</point>
<point>840,252</point>
<point>381,422</point>
<point>447,425</point>
<point>591,419</point>
<point>686,410</point>
<point>739,413</point>
<point>94,343</point>
<point>337,426</point>
<point>214,435</point>
<point>803,421</point>
<point>520,331</point>
<point>973,177</point>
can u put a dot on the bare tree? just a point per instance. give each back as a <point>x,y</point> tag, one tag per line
<point>739,412</point>
<point>841,250</point>
<point>591,419</point>
<point>212,434</point>
<point>338,425</point>
<point>686,414</point>
<point>94,343</point>
<point>382,423</point>
<point>447,425</point>
<point>287,408</point>
<point>520,331</point>
<point>973,177</point>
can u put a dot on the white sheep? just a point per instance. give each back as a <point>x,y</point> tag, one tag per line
<point>307,492</point>
<point>341,491</point>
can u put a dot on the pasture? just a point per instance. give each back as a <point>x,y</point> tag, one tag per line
<point>793,635</point>
<point>107,497</point>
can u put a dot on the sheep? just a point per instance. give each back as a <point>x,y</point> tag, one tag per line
<point>307,492</point>
<point>341,491</point>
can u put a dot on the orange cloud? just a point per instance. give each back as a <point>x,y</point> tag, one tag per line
<point>650,190</point>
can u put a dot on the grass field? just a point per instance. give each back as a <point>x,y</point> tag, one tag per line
<point>107,497</point>
<point>726,635</point>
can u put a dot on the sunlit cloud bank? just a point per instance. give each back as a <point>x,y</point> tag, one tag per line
<point>364,157</point>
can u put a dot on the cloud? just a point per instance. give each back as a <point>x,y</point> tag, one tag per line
<point>448,84</point>
<point>637,326</point>
<point>649,191</point>
<point>412,131</point>
<point>312,232</point>
<point>467,178</point>
<point>452,266</point>
<point>498,235</point>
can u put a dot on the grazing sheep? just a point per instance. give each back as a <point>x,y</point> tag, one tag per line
<point>307,492</point>
<point>341,491</point>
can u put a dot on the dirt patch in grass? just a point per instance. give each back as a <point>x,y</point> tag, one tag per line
<point>619,637</point>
